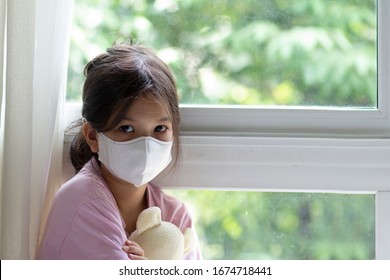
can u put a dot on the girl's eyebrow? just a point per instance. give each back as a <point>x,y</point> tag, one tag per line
<point>163,119</point>
<point>128,119</point>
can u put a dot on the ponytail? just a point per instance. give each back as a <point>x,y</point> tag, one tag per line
<point>80,153</point>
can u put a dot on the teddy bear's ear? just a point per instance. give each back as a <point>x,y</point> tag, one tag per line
<point>148,218</point>
<point>189,240</point>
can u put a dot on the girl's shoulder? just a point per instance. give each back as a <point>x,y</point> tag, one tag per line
<point>172,209</point>
<point>86,186</point>
<point>157,197</point>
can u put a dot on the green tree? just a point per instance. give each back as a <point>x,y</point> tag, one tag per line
<point>244,52</point>
<point>256,225</point>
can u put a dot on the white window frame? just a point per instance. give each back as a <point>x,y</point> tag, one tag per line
<point>292,149</point>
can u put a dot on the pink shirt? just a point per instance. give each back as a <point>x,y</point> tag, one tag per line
<point>85,223</point>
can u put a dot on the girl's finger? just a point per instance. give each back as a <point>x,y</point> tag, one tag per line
<point>136,257</point>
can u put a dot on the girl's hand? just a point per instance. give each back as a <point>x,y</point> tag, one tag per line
<point>133,250</point>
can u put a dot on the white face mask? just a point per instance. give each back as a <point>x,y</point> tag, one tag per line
<point>137,161</point>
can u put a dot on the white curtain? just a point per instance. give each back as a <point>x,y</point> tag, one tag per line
<point>35,41</point>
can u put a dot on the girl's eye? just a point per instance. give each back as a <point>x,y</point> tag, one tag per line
<point>160,128</point>
<point>126,128</point>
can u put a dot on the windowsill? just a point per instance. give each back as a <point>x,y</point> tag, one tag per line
<point>283,164</point>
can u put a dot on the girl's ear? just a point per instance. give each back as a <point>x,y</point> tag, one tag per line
<point>91,137</point>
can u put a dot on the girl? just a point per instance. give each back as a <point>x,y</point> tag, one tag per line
<point>130,133</point>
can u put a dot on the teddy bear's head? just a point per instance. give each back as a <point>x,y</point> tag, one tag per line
<point>161,240</point>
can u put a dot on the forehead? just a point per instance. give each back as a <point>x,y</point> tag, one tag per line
<point>147,108</point>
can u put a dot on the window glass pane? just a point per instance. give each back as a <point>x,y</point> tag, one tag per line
<point>258,225</point>
<point>252,52</point>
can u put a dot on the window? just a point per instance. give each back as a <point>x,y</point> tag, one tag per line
<point>264,129</point>
<point>265,225</point>
<point>247,52</point>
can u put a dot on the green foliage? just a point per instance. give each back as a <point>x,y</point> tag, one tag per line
<point>255,225</point>
<point>243,52</point>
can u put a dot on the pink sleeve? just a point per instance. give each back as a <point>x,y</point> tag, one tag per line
<point>95,233</point>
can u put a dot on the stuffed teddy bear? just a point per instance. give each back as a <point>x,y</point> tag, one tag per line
<point>159,239</point>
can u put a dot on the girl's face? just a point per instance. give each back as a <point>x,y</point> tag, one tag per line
<point>144,117</point>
